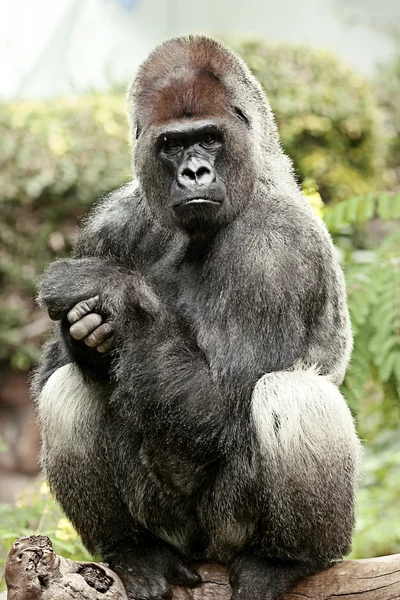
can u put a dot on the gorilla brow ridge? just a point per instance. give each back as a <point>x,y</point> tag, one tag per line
<point>185,92</point>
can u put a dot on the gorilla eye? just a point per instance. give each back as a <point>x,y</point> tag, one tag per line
<point>171,146</point>
<point>209,140</point>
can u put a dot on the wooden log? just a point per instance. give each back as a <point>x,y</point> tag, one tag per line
<point>34,572</point>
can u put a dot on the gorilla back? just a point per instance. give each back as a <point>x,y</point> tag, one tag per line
<point>188,400</point>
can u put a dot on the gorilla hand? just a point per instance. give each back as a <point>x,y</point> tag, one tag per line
<point>67,282</point>
<point>88,325</point>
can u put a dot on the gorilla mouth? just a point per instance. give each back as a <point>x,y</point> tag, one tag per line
<point>200,200</point>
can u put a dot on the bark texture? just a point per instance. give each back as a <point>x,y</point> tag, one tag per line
<point>34,572</point>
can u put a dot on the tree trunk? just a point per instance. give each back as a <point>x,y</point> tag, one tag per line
<point>34,572</point>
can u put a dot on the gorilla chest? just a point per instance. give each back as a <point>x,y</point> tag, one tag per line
<point>233,321</point>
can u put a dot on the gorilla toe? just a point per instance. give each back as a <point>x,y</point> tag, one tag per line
<point>148,572</point>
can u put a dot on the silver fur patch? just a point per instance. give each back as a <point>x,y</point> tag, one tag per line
<point>299,415</point>
<point>70,409</point>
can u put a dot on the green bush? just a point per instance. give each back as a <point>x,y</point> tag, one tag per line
<point>388,92</point>
<point>372,384</point>
<point>59,155</point>
<point>378,508</point>
<point>373,289</point>
<point>328,116</point>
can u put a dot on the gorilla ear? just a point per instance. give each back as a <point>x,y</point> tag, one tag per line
<point>239,113</point>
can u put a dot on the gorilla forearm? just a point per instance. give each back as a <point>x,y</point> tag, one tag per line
<point>207,398</point>
<point>166,374</point>
<point>81,293</point>
<point>69,281</point>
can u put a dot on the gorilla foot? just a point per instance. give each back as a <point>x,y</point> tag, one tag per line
<point>147,572</point>
<point>257,578</point>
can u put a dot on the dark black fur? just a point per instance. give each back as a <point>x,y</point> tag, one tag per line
<point>164,464</point>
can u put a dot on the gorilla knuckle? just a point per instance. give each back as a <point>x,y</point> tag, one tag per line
<point>106,346</point>
<point>85,326</point>
<point>81,309</point>
<point>99,335</point>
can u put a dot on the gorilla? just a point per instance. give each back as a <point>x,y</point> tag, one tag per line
<point>189,397</point>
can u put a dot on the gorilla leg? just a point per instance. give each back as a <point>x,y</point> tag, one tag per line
<point>299,479</point>
<point>73,415</point>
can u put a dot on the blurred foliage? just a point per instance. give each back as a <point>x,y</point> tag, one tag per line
<point>60,154</point>
<point>388,91</point>
<point>310,191</point>
<point>327,113</point>
<point>36,512</point>
<point>378,508</point>
<point>373,288</point>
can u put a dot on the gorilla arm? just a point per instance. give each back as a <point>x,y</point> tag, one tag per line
<point>82,293</point>
<point>70,288</point>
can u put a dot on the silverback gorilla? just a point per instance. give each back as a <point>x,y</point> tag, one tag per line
<point>188,400</point>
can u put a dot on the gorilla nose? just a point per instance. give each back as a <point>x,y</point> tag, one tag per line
<point>196,174</point>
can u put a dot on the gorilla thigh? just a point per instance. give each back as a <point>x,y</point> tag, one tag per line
<point>75,421</point>
<point>72,414</point>
<point>297,482</point>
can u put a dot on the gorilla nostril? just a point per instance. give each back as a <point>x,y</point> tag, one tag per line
<point>195,174</point>
<point>189,174</point>
<point>202,173</point>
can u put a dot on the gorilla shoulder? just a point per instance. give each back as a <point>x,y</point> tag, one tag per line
<point>117,225</point>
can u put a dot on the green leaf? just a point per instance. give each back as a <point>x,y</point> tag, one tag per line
<point>387,366</point>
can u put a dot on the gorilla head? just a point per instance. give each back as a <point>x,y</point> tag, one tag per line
<point>200,119</point>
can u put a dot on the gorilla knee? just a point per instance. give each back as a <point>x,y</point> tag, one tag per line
<point>301,417</point>
<point>70,410</point>
<point>310,457</point>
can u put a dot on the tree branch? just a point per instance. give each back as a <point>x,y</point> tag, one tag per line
<point>34,572</point>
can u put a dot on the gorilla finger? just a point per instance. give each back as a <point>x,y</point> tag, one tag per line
<point>185,575</point>
<point>99,335</point>
<point>81,309</point>
<point>106,346</point>
<point>85,326</point>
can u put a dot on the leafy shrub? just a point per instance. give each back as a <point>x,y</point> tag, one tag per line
<point>378,508</point>
<point>373,288</point>
<point>59,155</point>
<point>327,113</point>
<point>388,92</point>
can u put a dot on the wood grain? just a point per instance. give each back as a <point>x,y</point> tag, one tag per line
<point>34,572</point>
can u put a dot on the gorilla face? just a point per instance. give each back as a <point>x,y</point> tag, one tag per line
<point>190,151</point>
<point>194,156</point>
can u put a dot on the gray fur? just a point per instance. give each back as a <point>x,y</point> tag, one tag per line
<point>215,429</point>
